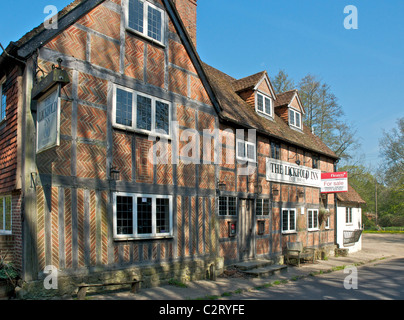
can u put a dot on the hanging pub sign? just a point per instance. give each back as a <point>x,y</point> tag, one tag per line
<point>286,172</point>
<point>334,182</point>
<point>48,121</point>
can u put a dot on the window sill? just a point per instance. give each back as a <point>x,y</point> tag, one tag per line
<point>149,39</point>
<point>265,115</point>
<point>143,238</point>
<point>289,232</point>
<point>6,233</point>
<point>313,229</point>
<point>143,132</point>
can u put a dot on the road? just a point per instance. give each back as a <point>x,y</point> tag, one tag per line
<point>382,280</point>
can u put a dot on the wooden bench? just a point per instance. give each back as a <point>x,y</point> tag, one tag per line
<point>295,250</point>
<point>81,294</point>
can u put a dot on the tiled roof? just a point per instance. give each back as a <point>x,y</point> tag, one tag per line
<point>350,196</point>
<point>248,82</point>
<point>236,110</point>
<point>284,98</point>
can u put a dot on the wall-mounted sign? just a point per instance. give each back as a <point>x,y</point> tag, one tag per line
<point>48,121</point>
<point>286,172</point>
<point>232,228</point>
<point>333,182</point>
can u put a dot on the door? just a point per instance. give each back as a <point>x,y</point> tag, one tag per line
<point>246,227</point>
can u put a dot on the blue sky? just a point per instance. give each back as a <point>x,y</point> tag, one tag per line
<point>364,67</point>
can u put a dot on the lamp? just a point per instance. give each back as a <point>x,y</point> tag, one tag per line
<point>222,185</point>
<point>114,173</point>
<point>296,156</point>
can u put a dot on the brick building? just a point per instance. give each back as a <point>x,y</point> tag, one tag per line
<point>123,155</point>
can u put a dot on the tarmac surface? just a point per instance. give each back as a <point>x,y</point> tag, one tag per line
<point>375,248</point>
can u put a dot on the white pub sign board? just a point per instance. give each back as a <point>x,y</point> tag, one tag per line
<point>48,122</point>
<point>286,172</point>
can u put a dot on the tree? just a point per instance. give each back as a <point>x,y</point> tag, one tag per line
<point>282,82</point>
<point>326,117</point>
<point>392,151</point>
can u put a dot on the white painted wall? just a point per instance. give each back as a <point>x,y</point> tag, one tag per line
<point>343,226</point>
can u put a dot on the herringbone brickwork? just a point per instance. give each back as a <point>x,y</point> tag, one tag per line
<point>105,53</point>
<point>164,171</point>
<point>155,66</point>
<point>186,174</point>
<point>91,161</point>
<point>178,81</point>
<point>102,20</point>
<point>207,176</point>
<point>55,226</point>
<point>122,155</point>
<point>93,229</point>
<point>80,227</point>
<point>198,91</point>
<point>180,229</point>
<point>68,228</point>
<point>186,116</point>
<point>71,42</point>
<point>134,57</point>
<point>179,57</point>
<point>91,123</point>
<point>92,89</point>
<point>144,168</point>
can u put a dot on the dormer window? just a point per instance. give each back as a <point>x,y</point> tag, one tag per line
<point>263,104</point>
<point>295,118</point>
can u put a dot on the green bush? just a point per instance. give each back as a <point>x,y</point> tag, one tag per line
<point>8,271</point>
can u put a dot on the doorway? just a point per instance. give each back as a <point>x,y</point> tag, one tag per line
<point>246,227</point>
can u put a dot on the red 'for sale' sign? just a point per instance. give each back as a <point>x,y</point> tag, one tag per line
<point>333,182</point>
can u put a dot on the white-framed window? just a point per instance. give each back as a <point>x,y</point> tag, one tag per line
<point>146,19</point>
<point>227,206</point>
<point>288,220</point>
<point>295,118</point>
<point>245,150</point>
<point>3,101</point>
<point>262,208</point>
<point>142,215</point>
<point>348,215</point>
<point>312,219</point>
<point>263,104</point>
<point>141,112</point>
<point>5,215</point>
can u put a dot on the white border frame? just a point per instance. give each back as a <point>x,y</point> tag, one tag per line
<point>134,113</point>
<point>308,215</point>
<point>135,235</point>
<point>245,158</point>
<point>227,207</point>
<point>263,113</point>
<point>4,232</point>
<point>289,230</point>
<point>144,34</point>
<point>58,111</point>
<point>300,114</point>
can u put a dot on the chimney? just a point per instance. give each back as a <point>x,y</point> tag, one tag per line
<point>187,11</point>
